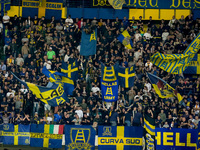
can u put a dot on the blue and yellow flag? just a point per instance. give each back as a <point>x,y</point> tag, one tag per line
<point>109,73</point>
<point>117,4</point>
<point>162,88</point>
<point>16,134</point>
<point>125,39</point>
<point>53,96</point>
<point>45,135</point>
<point>149,130</point>
<point>70,70</point>
<point>177,63</point>
<point>88,43</point>
<point>194,66</point>
<point>79,137</point>
<point>119,138</point>
<point>126,76</point>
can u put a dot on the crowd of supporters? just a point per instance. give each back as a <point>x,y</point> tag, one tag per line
<point>28,44</point>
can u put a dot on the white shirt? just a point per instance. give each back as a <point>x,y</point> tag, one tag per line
<point>3,67</point>
<point>24,91</point>
<point>10,93</point>
<point>1,27</point>
<point>149,65</point>
<point>165,35</point>
<point>49,119</point>
<point>95,89</point>
<point>69,20</point>
<point>148,85</point>
<point>147,36</point>
<point>19,60</point>
<point>79,113</point>
<point>137,37</point>
<point>48,66</point>
<point>6,19</point>
<point>66,58</point>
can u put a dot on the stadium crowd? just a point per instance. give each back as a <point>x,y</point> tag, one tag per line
<point>31,43</point>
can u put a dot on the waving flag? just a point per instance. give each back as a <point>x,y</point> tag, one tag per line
<point>162,88</point>
<point>88,43</point>
<point>177,63</point>
<point>125,39</point>
<point>193,66</point>
<point>53,96</point>
<point>126,76</point>
<point>70,70</point>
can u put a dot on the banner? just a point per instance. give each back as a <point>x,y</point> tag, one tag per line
<point>46,8</point>
<point>1,133</point>
<point>193,66</point>
<point>44,135</point>
<point>177,63</point>
<point>70,70</point>
<point>126,76</point>
<point>155,4</point>
<point>176,138</point>
<point>125,39</point>
<point>88,43</point>
<point>119,138</point>
<point>109,91</point>
<point>117,4</point>
<point>162,88</point>
<point>16,134</point>
<point>79,137</point>
<point>149,130</point>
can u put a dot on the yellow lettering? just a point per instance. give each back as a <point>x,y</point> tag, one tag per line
<point>158,138</point>
<point>166,138</point>
<point>195,4</point>
<point>178,143</point>
<point>150,3</point>
<point>189,144</point>
<point>188,3</point>
<point>134,3</point>
<point>109,90</point>
<point>92,37</point>
<point>173,4</point>
<point>142,3</point>
<point>131,69</point>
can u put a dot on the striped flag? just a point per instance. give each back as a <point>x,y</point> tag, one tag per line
<point>44,135</point>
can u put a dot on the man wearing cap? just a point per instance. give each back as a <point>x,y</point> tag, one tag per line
<point>50,53</point>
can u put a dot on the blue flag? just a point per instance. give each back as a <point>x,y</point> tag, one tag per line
<point>109,73</point>
<point>45,135</point>
<point>193,66</point>
<point>119,137</point>
<point>53,96</point>
<point>79,137</point>
<point>126,76</point>
<point>70,70</point>
<point>16,134</point>
<point>109,90</point>
<point>88,43</point>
